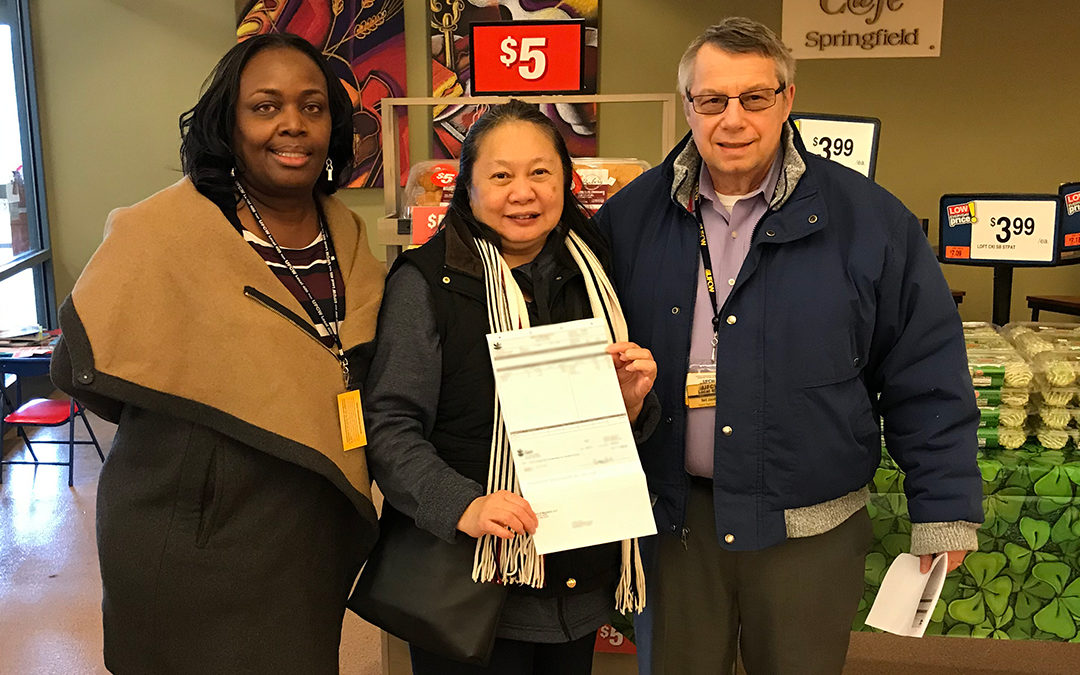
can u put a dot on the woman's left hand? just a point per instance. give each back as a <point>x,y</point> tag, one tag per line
<point>637,371</point>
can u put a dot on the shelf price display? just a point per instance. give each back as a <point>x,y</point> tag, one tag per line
<point>851,141</point>
<point>1070,220</point>
<point>999,229</point>
<point>528,57</point>
<point>425,222</point>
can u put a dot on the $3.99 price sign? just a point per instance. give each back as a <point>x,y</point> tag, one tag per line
<point>537,57</point>
<point>851,141</point>
<point>999,228</point>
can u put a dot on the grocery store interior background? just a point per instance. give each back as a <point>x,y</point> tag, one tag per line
<point>995,112</point>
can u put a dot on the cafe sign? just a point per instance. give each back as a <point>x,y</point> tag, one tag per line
<point>860,29</point>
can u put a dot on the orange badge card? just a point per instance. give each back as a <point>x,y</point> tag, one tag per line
<point>351,418</point>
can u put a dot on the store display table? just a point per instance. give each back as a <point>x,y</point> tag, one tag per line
<point>1062,304</point>
<point>1024,581</point>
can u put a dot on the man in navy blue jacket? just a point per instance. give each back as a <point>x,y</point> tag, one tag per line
<point>792,305</point>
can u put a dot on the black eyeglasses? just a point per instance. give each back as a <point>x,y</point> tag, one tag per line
<point>751,101</point>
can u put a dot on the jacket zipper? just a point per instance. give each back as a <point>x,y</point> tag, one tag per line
<point>269,304</point>
<point>684,531</point>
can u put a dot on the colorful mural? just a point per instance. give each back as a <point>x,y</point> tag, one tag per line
<point>364,43</point>
<point>449,21</point>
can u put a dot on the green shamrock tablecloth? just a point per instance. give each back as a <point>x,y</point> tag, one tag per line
<point>1024,581</point>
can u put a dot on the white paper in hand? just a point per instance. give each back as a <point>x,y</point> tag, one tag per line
<point>907,598</point>
<point>571,441</point>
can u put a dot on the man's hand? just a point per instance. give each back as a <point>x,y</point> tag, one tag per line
<point>955,558</point>
<point>637,371</point>
<point>503,514</point>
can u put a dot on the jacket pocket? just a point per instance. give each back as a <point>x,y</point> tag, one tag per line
<point>199,492</point>
<point>830,358</point>
<point>210,503</point>
<point>834,447</point>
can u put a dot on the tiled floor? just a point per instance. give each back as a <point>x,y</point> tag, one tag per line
<point>50,587</point>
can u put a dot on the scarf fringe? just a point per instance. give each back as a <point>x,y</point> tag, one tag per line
<point>515,561</point>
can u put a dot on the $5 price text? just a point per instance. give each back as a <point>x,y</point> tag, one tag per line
<point>528,53</point>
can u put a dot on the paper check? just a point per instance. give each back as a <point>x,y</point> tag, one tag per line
<point>571,441</point>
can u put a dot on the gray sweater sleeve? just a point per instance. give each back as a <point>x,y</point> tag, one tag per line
<point>402,396</point>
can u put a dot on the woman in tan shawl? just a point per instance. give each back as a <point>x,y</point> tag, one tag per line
<point>216,325</point>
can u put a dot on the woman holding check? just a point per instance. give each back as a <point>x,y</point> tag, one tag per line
<point>514,230</point>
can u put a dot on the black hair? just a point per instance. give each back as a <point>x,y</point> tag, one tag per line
<point>206,131</point>
<point>574,216</point>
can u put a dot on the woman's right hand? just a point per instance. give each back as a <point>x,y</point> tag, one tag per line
<point>503,514</point>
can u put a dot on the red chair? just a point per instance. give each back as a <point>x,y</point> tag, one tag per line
<point>45,412</point>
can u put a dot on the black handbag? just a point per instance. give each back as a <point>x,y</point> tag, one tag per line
<point>419,588</point>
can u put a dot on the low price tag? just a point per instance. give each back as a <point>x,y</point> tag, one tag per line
<point>1017,228</point>
<point>515,57</point>
<point>851,141</point>
<point>1070,219</point>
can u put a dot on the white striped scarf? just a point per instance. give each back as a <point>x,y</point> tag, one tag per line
<point>515,561</point>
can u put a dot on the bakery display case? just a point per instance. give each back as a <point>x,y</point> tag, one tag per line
<point>413,211</point>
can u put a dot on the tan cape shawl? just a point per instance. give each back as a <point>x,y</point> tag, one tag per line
<point>163,306</point>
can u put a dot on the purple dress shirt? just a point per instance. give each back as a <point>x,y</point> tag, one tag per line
<point>729,238</point>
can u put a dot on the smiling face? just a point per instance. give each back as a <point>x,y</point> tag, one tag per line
<point>517,188</point>
<point>282,130</point>
<point>737,146</point>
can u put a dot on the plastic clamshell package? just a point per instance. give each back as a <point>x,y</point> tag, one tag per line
<point>1014,396</point>
<point>1056,417</point>
<point>1058,396</point>
<point>988,397</point>
<point>602,177</point>
<point>1057,439</point>
<point>1033,338</point>
<point>989,416</point>
<point>1058,367</point>
<point>430,183</point>
<point>995,368</point>
<point>978,328</point>
<point>1011,416</point>
<point>1001,437</point>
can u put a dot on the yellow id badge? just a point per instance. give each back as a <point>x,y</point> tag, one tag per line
<point>351,418</point>
<point>701,390</point>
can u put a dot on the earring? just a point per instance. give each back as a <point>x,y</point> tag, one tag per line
<point>329,170</point>
<point>232,172</point>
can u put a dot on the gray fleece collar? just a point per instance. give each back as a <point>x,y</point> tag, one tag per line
<point>687,167</point>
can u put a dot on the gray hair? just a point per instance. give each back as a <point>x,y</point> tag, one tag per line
<point>739,35</point>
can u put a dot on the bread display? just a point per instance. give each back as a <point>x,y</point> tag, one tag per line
<point>598,178</point>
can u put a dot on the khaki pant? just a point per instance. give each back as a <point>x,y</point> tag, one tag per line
<point>785,609</point>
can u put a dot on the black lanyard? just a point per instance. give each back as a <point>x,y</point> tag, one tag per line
<point>710,279</point>
<point>331,330</point>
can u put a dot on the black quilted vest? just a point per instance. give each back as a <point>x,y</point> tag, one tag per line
<point>463,423</point>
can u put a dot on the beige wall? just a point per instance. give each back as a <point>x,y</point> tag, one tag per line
<point>996,112</point>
